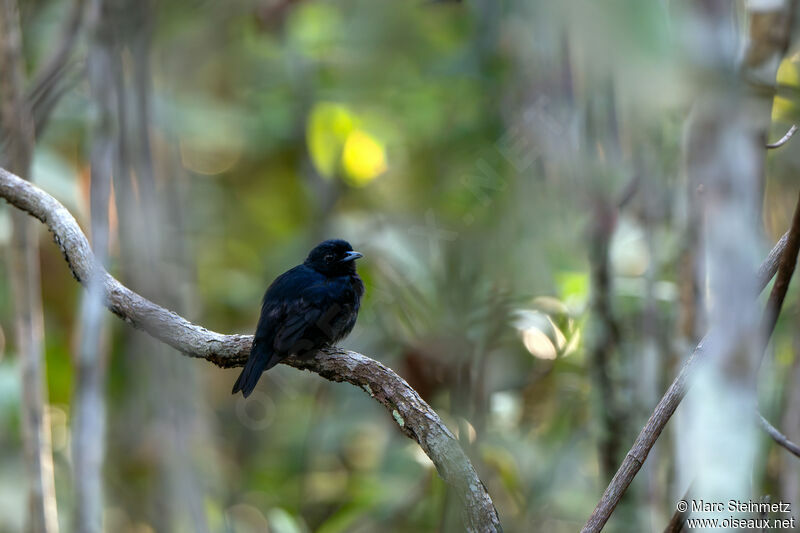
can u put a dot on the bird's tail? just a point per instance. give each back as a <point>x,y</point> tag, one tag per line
<point>255,366</point>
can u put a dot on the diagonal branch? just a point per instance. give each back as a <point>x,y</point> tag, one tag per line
<point>415,417</point>
<point>781,260</point>
<point>666,408</point>
<point>784,263</point>
<point>778,437</point>
<point>786,266</point>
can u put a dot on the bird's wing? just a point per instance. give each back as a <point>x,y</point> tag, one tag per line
<point>295,333</point>
<point>281,300</point>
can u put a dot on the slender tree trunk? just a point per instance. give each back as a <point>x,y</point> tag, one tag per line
<point>725,141</point>
<point>175,500</point>
<point>605,339</point>
<point>88,425</point>
<point>17,129</point>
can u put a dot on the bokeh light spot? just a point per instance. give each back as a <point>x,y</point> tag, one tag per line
<point>363,159</point>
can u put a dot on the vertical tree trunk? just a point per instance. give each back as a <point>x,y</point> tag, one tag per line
<point>17,128</point>
<point>605,339</point>
<point>88,424</point>
<point>725,157</point>
<point>175,498</point>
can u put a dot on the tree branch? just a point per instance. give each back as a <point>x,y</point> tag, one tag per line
<point>769,38</point>
<point>415,418</point>
<point>49,83</point>
<point>778,437</point>
<point>770,264</point>
<point>786,266</point>
<point>783,140</point>
<point>781,260</point>
<point>665,409</point>
<point>783,263</point>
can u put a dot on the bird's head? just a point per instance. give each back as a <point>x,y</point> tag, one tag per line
<point>333,258</point>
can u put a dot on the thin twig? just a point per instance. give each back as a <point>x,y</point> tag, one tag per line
<point>43,104</point>
<point>783,140</point>
<point>778,437</point>
<point>415,418</point>
<point>58,66</point>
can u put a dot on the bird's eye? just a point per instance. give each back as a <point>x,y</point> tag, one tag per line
<point>329,258</point>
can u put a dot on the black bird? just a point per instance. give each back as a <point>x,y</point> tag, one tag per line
<point>307,307</point>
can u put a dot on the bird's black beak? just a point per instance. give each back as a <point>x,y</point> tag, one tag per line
<point>351,256</point>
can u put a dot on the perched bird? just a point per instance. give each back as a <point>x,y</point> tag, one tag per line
<point>307,307</point>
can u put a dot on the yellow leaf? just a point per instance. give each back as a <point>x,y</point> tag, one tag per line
<point>789,72</point>
<point>364,158</point>
<point>785,109</point>
<point>329,126</point>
